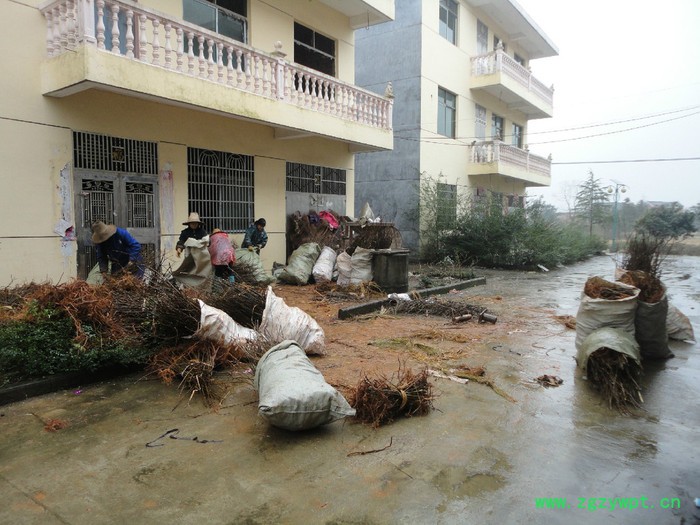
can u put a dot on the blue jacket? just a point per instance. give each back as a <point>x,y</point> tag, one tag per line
<point>254,238</point>
<point>121,248</point>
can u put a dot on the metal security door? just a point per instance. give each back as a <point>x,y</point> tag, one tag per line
<point>128,201</point>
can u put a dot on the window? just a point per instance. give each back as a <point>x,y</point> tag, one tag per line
<point>220,188</point>
<point>312,49</point>
<point>479,122</point>
<point>448,20</point>
<point>517,138</point>
<point>496,127</point>
<point>446,206</point>
<point>520,60</point>
<point>305,178</point>
<point>226,17</point>
<point>482,38</point>
<point>447,110</point>
<point>516,201</point>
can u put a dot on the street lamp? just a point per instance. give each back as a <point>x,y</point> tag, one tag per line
<point>616,189</point>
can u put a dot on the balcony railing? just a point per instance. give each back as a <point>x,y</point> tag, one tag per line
<point>489,151</point>
<point>127,29</point>
<point>499,61</point>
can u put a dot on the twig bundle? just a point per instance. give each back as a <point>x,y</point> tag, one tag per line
<point>616,375</point>
<point>353,292</point>
<point>440,308</point>
<point>300,230</point>
<point>244,273</point>
<point>651,289</point>
<point>244,303</point>
<point>382,400</point>
<point>378,237</point>
<point>599,288</point>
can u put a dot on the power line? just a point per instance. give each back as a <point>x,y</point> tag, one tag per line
<point>676,159</point>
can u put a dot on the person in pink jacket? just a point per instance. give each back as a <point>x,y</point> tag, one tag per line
<point>222,254</point>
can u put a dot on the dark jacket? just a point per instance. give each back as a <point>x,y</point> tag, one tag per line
<point>254,238</point>
<point>121,248</point>
<point>189,233</point>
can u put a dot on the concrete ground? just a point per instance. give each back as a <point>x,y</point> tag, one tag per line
<point>477,458</point>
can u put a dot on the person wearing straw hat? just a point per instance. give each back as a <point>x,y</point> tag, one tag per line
<point>117,246</point>
<point>195,230</point>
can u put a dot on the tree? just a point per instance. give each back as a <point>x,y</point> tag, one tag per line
<point>669,222</point>
<point>591,201</point>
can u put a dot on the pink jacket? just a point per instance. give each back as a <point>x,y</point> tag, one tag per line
<point>220,249</point>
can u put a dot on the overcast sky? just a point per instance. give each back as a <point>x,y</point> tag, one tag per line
<point>634,62</point>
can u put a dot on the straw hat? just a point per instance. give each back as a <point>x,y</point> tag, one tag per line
<point>194,217</point>
<point>101,231</point>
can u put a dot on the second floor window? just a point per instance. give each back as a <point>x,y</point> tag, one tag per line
<point>226,17</point>
<point>447,112</point>
<point>312,49</point>
<point>482,38</point>
<point>517,138</point>
<point>479,122</point>
<point>520,60</point>
<point>496,127</point>
<point>448,20</point>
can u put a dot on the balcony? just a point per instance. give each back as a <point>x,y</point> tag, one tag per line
<point>495,157</point>
<point>124,47</point>
<point>501,76</point>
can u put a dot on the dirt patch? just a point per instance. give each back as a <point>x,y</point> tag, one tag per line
<point>376,344</point>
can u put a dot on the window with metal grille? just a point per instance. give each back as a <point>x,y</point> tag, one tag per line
<point>105,153</point>
<point>447,113</point>
<point>446,206</point>
<point>314,50</point>
<point>517,138</point>
<point>306,178</point>
<point>448,20</point>
<point>497,124</point>
<point>220,188</point>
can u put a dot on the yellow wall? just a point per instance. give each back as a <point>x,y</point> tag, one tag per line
<point>36,143</point>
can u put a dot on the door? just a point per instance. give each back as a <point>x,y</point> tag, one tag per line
<point>129,201</point>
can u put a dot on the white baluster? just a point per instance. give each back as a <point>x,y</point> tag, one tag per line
<point>239,67</point>
<point>142,38</point>
<point>115,29</point>
<point>86,24</point>
<point>180,50</point>
<point>202,60</point>
<point>220,61</point>
<point>57,30</point>
<point>100,24</point>
<point>130,33</point>
<point>210,59</point>
<point>258,75</point>
<point>71,23</point>
<point>155,54</point>
<point>62,25</point>
<point>190,53</point>
<point>229,66</point>
<point>48,15</point>
<point>168,46</point>
<point>292,79</point>
<point>248,72</point>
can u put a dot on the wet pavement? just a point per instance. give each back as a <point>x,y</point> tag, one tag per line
<point>476,459</point>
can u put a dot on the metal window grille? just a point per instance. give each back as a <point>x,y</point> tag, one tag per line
<point>305,178</point>
<point>100,206</point>
<point>104,153</point>
<point>139,200</point>
<point>220,188</point>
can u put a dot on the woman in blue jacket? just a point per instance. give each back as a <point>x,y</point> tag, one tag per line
<point>116,245</point>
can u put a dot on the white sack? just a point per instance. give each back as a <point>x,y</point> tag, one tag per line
<point>301,264</point>
<point>678,325</point>
<point>281,322</point>
<point>292,393</point>
<point>599,313</point>
<point>344,264</point>
<point>323,269</point>
<point>216,325</point>
<point>361,266</point>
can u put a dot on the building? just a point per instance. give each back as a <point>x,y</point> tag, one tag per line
<point>464,95</point>
<point>139,112</point>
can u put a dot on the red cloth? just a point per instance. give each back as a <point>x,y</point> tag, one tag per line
<point>329,218</point>
<point>220,249</point>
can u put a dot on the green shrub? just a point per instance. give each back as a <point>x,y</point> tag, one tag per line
<point>44,345</point>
